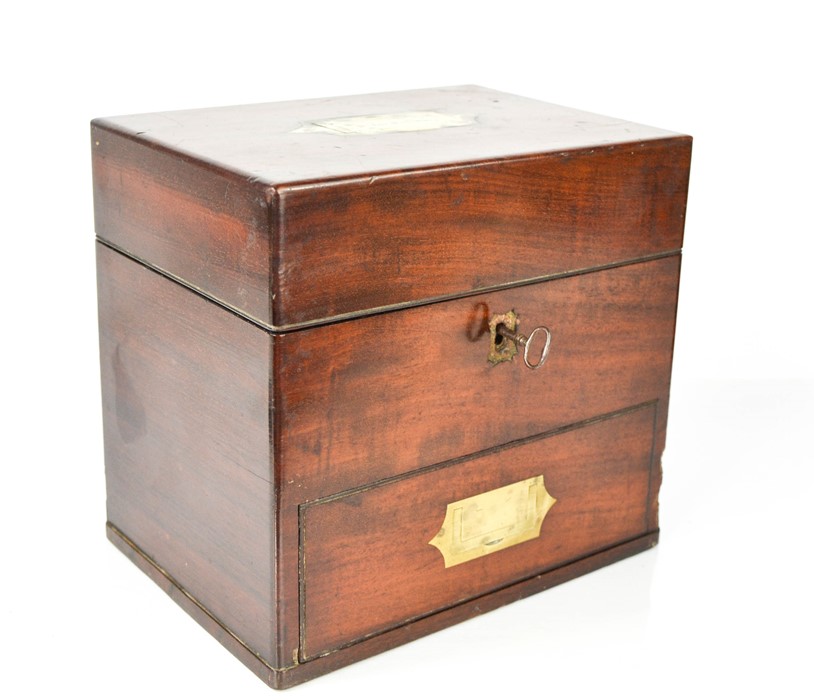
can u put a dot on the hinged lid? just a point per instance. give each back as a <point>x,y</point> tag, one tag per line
<point>299,213</point>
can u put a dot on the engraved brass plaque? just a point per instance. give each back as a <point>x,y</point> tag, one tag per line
<point>491,521</point>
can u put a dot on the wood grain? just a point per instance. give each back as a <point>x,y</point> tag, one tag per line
<point>292,229</point>
<point>637,301</point>
<point>293,346</point>
<point>187,454</point>
<point>468,227</point>
<point>266,142</point>
<point>204,225</point>
<point>295,674</point>
<point>377,397</point>
<point>366,561</point>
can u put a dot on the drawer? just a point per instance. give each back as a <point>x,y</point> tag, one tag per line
<point>376,397</point>
<point>372,558</point>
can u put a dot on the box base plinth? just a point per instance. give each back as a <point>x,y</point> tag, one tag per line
<point>280,678</point>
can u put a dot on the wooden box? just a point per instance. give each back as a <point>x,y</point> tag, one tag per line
<point>324,435</point>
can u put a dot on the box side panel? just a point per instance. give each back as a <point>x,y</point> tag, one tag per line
<point>401,238</point>
<point>185,401</point>
<point>200,224</point>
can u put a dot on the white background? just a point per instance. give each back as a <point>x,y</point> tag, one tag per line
<point>721,608</point>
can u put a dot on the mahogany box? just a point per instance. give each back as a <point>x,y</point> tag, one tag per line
<point>374,365</point>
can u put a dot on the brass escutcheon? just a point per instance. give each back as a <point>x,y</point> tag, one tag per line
<point>505,338</point>
<point>501,348</point>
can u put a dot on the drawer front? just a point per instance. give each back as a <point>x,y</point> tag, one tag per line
<point>380,396</point>
<point>375,558</point>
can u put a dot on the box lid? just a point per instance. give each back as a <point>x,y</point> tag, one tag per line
<point>299,213</point>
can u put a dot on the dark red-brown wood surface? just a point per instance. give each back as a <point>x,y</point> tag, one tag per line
<point>366,561</point>
<point>301,672</point>
<point>203,225</point>
<point>187,400</point>
<point>383,241</point>
<point>186,409</point>
<point>235,451</point>
<point>267,142</point>
<point>374,398</point>
<point>293,228</point>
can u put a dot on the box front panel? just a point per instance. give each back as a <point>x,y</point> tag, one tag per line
<point>377,397</point>
<point>400,238</point>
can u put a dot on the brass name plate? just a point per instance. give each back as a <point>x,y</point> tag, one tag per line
<point>491,521</point>
<point>374,124</point>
